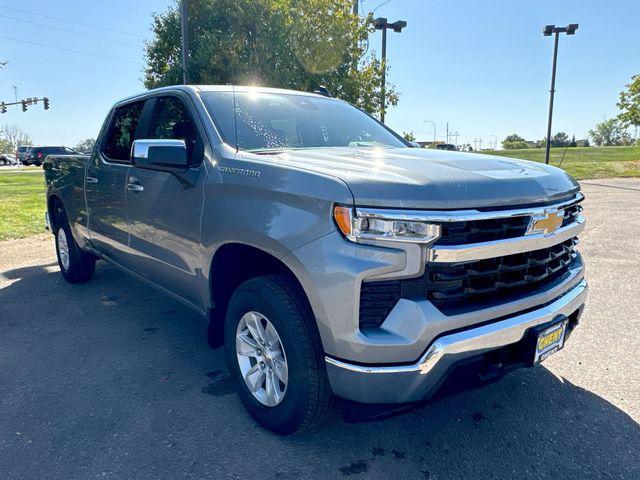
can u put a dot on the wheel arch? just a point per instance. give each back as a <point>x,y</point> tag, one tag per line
<point>234,263</point>
<point>55,208</point>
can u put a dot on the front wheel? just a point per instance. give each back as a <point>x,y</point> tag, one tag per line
<point>275,356</point>
<point>75,265</point>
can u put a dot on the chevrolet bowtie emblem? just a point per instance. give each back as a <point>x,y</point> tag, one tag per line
<point>546,223</point>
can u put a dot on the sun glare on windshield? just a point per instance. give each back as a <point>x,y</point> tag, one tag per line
<point>266,121</point>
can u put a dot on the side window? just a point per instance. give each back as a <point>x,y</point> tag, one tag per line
<point>121,132</point>
<point>172,120</point>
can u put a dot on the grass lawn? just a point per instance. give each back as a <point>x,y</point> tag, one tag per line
<point>585,162</point>
<point>22,203</point>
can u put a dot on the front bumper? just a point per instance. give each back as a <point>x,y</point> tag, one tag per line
<point>419,380</point>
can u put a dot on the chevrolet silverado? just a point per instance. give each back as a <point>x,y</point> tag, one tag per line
<point>329,256</point>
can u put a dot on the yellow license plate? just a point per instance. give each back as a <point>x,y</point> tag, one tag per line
<point>550,340</point>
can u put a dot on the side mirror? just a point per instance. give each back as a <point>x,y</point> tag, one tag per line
<point>162,155</point>
<point>415,145</point>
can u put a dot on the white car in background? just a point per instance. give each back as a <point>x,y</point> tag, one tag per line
<point>8,159</point>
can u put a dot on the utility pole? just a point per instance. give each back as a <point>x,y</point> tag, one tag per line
<point>447,132</point>
<point>15,93</point>
<point>184,30</point>
<point>547,32</point>
<point>381,23</point>
<point>455,135</point>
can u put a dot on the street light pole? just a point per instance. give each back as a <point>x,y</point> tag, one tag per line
<point>434,130</point>
<point>184,31</point>
<point>548,31</point>
<point>551,96</point>
<point>381,23</point>
<point>383,87</point>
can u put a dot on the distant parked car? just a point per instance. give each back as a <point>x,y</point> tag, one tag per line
<point>8,159</point>
<point>36,155</point>
<point>22,153</point>
<point>446,146</point>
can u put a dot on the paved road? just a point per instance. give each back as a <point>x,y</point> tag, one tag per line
<point>113,380</point>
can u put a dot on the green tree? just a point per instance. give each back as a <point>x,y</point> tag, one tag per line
<point>630,103</point>
<point>409,136</point>
<point>297,44</point>
<point>573,142</point>
<point>5,147</point>
<point>513,142</point>
<point>610,132</point>
<point>85,146</point>
<point>560,139</point>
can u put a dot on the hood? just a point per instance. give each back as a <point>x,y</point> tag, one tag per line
<point>423,179</point>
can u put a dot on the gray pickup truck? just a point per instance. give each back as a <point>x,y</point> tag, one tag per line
<point>329,256</point>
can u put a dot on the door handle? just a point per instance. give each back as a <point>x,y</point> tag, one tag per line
<point>92,180</point>
<point>135,187</point>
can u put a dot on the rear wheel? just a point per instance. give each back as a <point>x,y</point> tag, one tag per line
<point>275,356</point>
<point>75,265</point>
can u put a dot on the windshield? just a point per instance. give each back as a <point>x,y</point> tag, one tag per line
<point>276,121</point>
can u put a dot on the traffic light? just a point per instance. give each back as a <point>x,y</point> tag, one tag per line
<point>24,105</point>
<point>46,103</point>
<point>3,108</point>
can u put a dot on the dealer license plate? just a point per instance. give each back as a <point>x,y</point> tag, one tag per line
<point>550,340</point>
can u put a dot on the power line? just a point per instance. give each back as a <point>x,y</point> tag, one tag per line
<point>70,31</point>
<point>71,21</point>
<point>68,50</point>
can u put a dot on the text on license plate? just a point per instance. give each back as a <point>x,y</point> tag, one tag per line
<point>550,340</point>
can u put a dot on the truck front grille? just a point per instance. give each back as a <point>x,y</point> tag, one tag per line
<point>456,287</point>
<point>571,214</point>
<point>477,231</point>
<point>447,285</point>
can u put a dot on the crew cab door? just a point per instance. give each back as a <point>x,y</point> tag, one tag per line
<point>105,181</point>
<point>164,209</point>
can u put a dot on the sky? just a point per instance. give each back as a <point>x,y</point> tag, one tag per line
<point>482,66</point>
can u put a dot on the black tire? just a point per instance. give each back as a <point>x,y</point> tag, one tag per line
<point>80,264</point>
<point>308,399</point>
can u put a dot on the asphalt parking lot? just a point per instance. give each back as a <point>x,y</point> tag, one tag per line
<point>111,379</point>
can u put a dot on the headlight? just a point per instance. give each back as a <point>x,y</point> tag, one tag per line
<point>378,226</point>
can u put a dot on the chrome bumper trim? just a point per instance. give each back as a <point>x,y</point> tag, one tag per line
<point>440,216</point>
<point>405,383</point>
<point>499,248</point>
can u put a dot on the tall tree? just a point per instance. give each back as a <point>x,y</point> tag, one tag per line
<point>14,137</point>
<point>297,44</point>
<point>610,132</point>
<point>560,139</point>
<point>630,103</point>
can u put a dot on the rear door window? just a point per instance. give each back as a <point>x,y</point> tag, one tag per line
<point>122,131</point>
<point>171,120</point>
